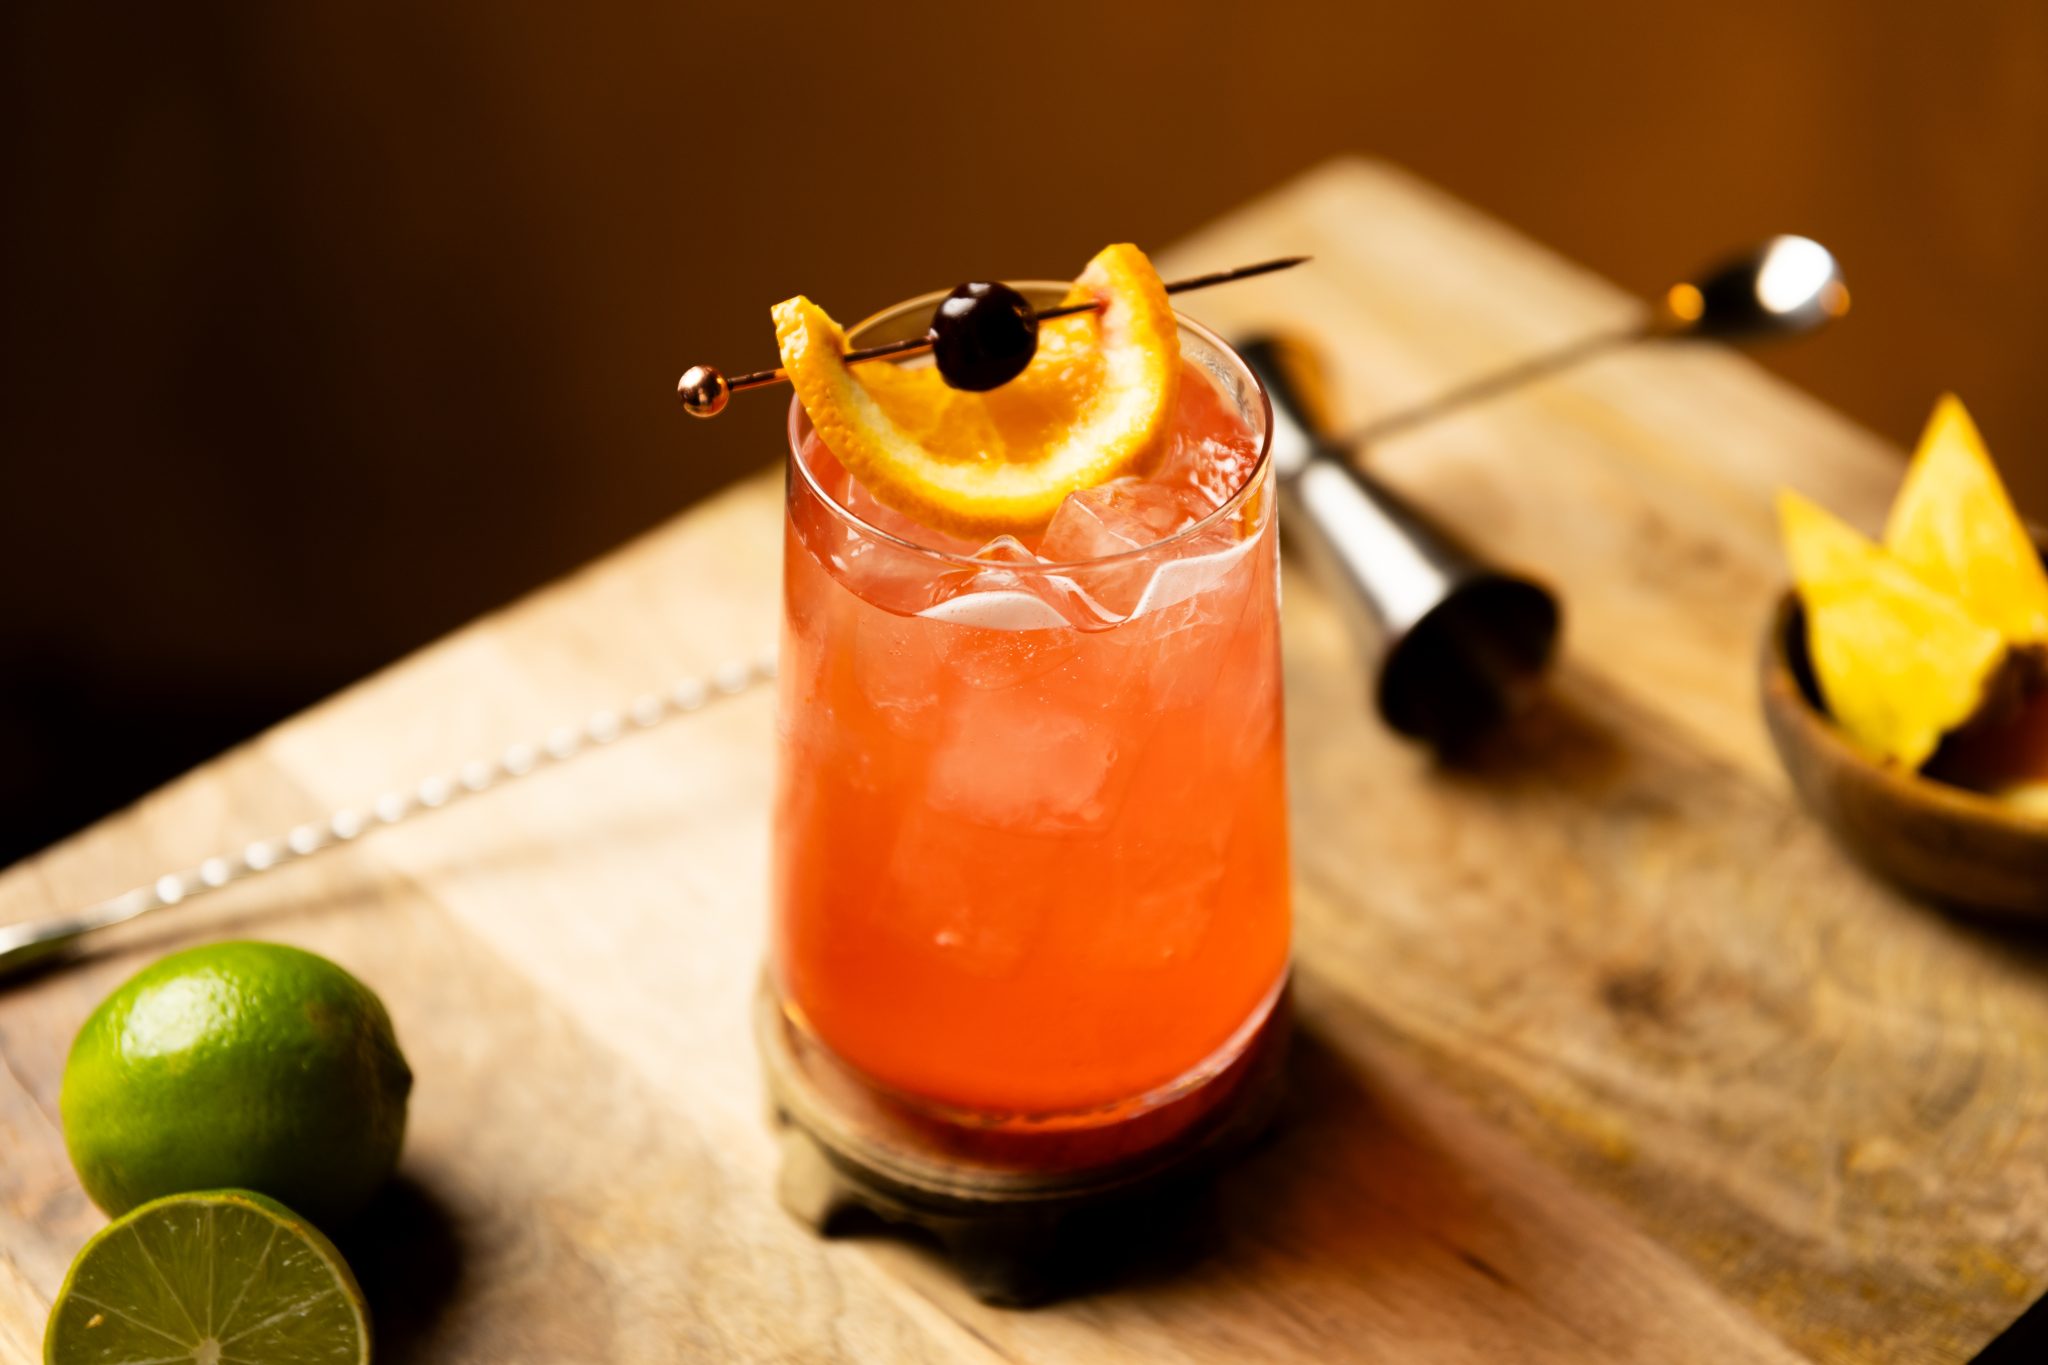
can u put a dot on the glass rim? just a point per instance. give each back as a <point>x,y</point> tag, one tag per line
<point>799,419</point>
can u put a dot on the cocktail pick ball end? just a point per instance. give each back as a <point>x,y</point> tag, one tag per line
<point>704,391</point>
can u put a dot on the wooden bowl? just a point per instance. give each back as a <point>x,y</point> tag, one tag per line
<point>1945,843</point>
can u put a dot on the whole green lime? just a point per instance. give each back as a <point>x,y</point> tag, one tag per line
<point>248,1065</point>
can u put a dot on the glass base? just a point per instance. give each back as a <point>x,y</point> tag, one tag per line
<point>921,1145</point>
<point>1096,1116</point>
<point>1017,1211</point>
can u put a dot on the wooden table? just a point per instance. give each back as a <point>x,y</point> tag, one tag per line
<point>1607,1053</point>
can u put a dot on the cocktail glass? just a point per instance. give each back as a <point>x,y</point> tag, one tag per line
<point>1031,838</point>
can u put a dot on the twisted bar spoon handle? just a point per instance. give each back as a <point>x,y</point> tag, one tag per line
<point>28,945</point>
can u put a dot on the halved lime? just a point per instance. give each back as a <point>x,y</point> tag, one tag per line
<point>225,1277</point>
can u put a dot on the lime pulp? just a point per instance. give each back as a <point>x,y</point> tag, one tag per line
<point>226,1277</point>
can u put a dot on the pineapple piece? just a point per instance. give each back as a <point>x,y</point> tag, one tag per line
<point>1899,664</point>
<point>1955,527</point>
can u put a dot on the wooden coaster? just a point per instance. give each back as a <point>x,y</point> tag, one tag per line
<point>1015,1210</point>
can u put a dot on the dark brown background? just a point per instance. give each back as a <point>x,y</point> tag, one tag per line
<point>328,326</point>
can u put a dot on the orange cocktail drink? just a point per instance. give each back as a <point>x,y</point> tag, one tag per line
<point>1031,843</point>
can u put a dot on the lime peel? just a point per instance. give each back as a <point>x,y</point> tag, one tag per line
<point>237,1066</point>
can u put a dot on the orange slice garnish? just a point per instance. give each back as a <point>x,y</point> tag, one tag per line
<point>1093,404</point>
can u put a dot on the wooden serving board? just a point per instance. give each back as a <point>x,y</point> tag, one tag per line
<point>1605,1052</point>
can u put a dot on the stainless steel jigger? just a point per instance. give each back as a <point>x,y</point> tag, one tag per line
<point>1459,645</point>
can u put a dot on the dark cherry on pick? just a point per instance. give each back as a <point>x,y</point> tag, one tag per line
<point>983,335</point>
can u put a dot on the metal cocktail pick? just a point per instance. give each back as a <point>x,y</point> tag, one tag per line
<point>705,390</point>
<point>1459,644</point>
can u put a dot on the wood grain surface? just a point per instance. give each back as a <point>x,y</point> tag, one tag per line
<point>1606,1053</point>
